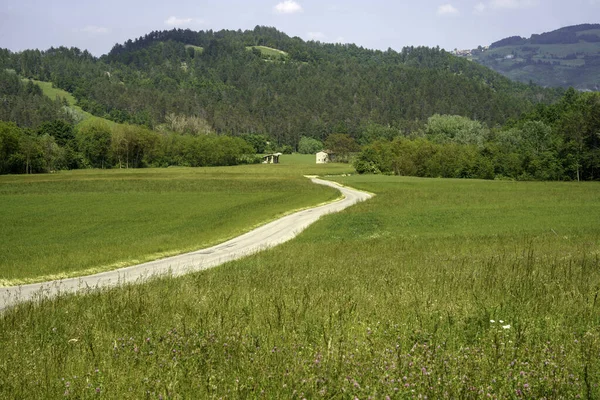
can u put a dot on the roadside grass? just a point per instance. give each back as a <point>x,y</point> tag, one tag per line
<point>80,222</point>
<point>437,288</point>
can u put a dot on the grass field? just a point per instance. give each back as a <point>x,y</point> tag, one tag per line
<point>78,222</point>
<point>435,288</point>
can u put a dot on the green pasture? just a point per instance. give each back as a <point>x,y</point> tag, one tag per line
<point>80,222</point>
<point>432,289</point>
<point>198,49</point>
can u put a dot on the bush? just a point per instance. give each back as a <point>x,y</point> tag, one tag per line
<point>309,145</point>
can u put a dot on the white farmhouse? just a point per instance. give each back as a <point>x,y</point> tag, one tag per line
<point>322,157</point>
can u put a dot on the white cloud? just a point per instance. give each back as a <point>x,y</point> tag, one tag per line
<point>512,4</point>
<point>340,39</point>
<point>479,8</point>
<point>288,7</point>
<point>447,9</point>
<point>174,21</point>
<point>95,29</point>
<point>316,36</point>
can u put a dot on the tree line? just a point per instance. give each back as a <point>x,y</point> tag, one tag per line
<point>552,142</point>
<point>57,145</point>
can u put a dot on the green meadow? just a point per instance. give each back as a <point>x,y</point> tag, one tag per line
<point>435,288</point>
<point>80,222</point>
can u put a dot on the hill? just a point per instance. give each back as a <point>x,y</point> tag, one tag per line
<point>308,89</point>
<point>565,57</point>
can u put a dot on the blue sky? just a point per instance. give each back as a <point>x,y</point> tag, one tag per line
<point>462,24</point>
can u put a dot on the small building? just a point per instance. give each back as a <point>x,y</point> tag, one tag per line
<point>271,158</point>
<point>325,156</point>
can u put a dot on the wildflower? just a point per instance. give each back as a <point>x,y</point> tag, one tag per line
<point>492,321</point>
<point>73,340</point>
<point>501,321</point>
<point>506,326</point>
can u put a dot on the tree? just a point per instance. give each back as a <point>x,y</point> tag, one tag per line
<point>10,136</point>
<point>308,145</point>
<point>457,129</point>
<point>31,151</point>
<point>258,142</point>
<point>94,142</point>
<point>341,145</point>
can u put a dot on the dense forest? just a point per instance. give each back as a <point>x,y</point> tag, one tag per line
<point>169,97</point>
<point>319,89</point>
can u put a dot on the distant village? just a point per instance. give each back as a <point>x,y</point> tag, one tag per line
<point>477,51</point>
<point>469,53</point>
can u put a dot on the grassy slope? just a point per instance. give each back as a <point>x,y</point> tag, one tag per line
<point>81,115</point>
<point>270,52</point>
<point>197,48</point>
<point>394,296</point>
<point>266,51</point>
<point>87,221</point>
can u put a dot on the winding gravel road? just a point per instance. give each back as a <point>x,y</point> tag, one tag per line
<point>264,237</point>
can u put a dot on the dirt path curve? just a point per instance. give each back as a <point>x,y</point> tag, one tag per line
<point>261,238</point>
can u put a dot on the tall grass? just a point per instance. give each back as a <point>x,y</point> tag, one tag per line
<point>434,288</point>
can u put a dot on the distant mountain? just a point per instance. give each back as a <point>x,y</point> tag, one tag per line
<point>568,56</point>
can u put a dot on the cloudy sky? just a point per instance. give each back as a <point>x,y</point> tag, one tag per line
<point>461,24</point>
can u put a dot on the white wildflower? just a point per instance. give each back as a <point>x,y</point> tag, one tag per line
<point>506,326</point>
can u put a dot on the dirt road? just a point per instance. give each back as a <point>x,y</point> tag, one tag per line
<point>264,237</point>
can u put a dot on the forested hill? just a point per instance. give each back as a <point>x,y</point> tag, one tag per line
<point>263,81</point>
<point>568,56</point>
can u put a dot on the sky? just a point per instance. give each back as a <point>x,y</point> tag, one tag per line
<point>463,24</point>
